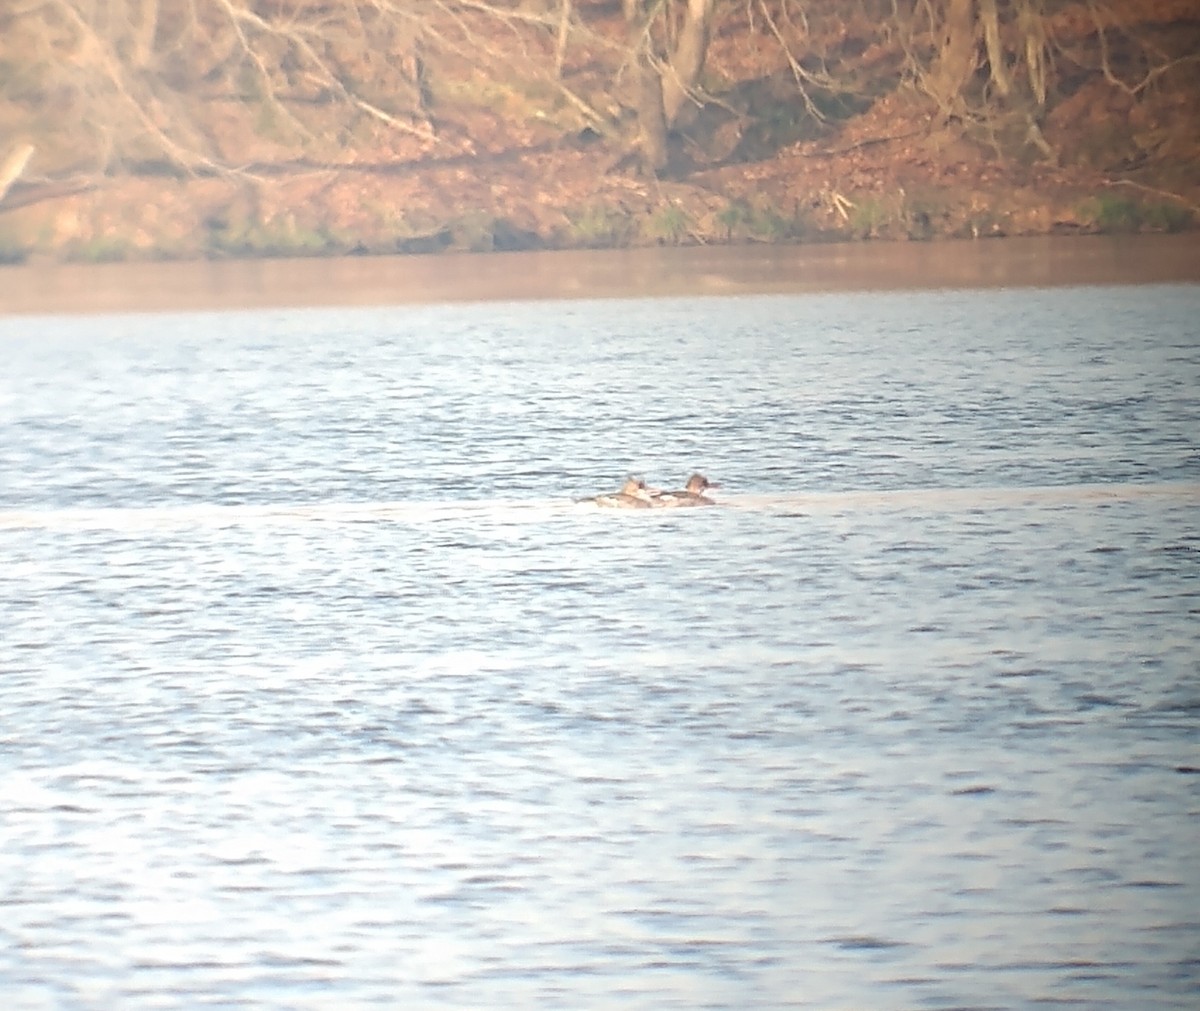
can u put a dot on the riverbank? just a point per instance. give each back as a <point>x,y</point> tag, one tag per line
<point>696,271</point>
<point>838,126</point>
<point>877,185</point>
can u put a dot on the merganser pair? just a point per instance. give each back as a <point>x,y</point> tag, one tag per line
<point>635,495</point>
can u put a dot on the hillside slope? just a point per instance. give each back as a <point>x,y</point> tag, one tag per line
<point>507,133</point>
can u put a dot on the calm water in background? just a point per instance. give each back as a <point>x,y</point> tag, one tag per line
<point>318,690</point>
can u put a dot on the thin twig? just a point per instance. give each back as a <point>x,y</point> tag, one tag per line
<point>832,152</point>
<point>1179,198</point>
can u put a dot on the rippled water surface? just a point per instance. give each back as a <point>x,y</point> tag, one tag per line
<point>319,690</point>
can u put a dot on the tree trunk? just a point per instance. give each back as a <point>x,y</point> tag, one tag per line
<point>995,50</point>
<point>648,89</point>
<point>956,57</point>
<point>687,63</point>
<point>652,119</point>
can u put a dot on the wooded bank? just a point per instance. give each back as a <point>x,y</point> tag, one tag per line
<point>232,127</point>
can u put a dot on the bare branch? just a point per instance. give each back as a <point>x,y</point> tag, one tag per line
<point>798,72</point>
<point>13,165</point>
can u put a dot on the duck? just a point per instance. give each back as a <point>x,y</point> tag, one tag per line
<point>633,495</point>
<point>691,495</point>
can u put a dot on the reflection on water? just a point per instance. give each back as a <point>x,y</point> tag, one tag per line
<point>575,274</point>
<point>319,690</point>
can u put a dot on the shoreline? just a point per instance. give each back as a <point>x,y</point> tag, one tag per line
<point>225,285</point>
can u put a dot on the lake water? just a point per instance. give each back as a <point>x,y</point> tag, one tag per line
<point>317,688</point>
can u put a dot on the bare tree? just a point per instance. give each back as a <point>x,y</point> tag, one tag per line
<point>682,73</point>
<point>180,85</point>
<point>982,62</point>
<point>667,45</point>
<point>127,79</point>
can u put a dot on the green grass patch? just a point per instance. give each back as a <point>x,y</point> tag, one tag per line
<point>1116,215</point>
<point>281,236</point>
<point>101,249</point>
<point>1167,217</point>
<point>670,225</point>
<point>742,220</point>
<point>871,217</point>
<point>1111,214</point>
<point>599,227</point>
<point>734,218</point>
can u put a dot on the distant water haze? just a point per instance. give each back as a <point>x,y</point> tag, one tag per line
<point>725,270</point>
